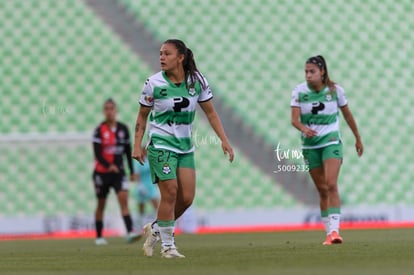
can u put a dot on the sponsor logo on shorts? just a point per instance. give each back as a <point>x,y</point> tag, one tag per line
<point>98,180</point>
<point>166,169</point>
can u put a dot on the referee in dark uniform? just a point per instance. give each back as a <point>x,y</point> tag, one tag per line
<point>110,144</point>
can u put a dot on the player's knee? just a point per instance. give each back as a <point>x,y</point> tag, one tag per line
<point>332,187</point>
<point>188,200</point>
<point>323,192</point>
<point>169,195</point>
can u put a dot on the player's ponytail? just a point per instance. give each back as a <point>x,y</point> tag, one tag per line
<point>189,64</point>
<point>319,61</point>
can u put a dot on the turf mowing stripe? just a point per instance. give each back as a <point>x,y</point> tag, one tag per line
<point>87,234</point>
<point>72,234</point>
<point>303,227</point>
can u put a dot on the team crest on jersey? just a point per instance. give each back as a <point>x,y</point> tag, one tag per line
<point>191,90</point>
<point>328,97</point>
<point>166,169</point>
<point>121,134</point>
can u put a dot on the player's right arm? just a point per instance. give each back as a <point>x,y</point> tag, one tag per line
<point>295,116</point>
<point>97,150</point>
<point>140,126</point>
<point>146,103</point>
<point>295,120</point>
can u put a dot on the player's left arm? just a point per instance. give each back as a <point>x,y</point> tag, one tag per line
<point>349,118</point>
<point>215,122</point>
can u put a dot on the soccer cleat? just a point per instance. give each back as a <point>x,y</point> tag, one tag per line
<point>151,239</point>
<point>328,240</point>
<point>171,253</point>
<point>101,241</point>
<point>133,237</point>
<point>335,238</point>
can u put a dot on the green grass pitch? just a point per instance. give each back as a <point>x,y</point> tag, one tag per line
<point>364,252</point>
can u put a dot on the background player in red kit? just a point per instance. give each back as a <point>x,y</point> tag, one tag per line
<point>110,144</point>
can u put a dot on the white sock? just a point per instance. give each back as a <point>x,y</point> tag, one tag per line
<point>167,236</point>
<point>156,228</point>
<point>326,224</point>
<point>334,220</point>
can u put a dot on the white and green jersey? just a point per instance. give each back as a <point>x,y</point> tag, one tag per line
<point>320,112</point>
<point>173,109</point>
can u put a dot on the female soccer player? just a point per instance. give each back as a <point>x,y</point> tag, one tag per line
<point>171,96</point>
<point>315,113</point>
<point>110,144</point>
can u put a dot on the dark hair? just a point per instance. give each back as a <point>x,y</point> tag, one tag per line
<point>189,65</point>
<point>321,63</point>
<point>111,101</point>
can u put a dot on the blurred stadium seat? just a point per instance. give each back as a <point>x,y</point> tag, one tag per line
<point>253,53</point>
<point>60,62</point>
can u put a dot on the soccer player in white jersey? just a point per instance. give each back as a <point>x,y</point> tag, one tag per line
<point>170,98</point>
<point>315,113</point>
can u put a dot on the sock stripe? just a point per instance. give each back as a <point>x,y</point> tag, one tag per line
<point>334,210</point>
<point>166,223</point>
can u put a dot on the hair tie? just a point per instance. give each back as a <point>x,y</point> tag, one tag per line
<point>317,61</point>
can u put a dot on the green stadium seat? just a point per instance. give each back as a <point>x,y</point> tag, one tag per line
<point>58,53</point>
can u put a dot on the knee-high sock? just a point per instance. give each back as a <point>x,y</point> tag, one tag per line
<point>167,233</point>
<point>128,222</point>
<point>98,228</point>
<point>334,219</point>
<point>325,220</point>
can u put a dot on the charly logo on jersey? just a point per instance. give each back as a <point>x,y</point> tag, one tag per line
<point>163,92</point>
<point>166,169</point>
<point>191,90</point>
<point>106,135</point>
